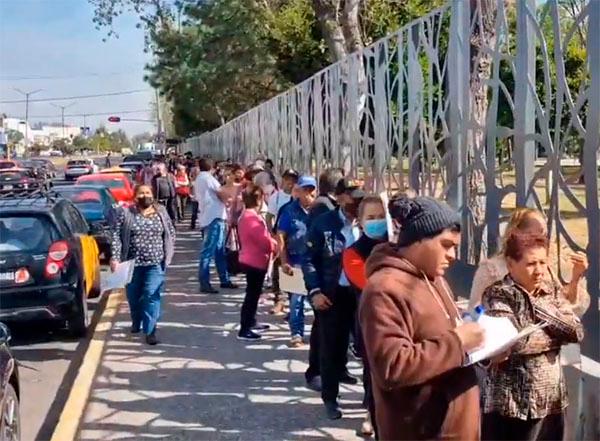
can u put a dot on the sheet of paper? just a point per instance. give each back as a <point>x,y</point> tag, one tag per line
<point>500,335</point>
<point>293,283</point>
<point>120,278</point>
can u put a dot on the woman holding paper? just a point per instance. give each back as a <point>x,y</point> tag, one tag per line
<point>525,396</point>
<point>144,233</point>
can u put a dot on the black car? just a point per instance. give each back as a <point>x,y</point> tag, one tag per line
<point>98,207</point>
<point>10,417</point>
<point>49,263</point>
<point>18,179</point>
<point>47,165</point>
<point>39,172</point>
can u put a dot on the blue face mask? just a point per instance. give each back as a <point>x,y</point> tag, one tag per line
<point>375,228</point>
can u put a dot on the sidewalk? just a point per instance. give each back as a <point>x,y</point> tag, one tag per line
<point>201,382</point>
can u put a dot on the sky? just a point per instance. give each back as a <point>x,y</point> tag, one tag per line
<point>53,45</point>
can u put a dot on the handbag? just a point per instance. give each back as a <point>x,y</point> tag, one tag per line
<point>232,251</point>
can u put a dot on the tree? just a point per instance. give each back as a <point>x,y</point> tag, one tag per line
<point>14,137</point>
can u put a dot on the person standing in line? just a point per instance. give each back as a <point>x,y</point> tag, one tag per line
<point>530,221</point>
<point>373,225</point>
<point>194,172</point>
<point>326,201</point>
<point>163,188</point>
<point>277,200</point>
<point>291,231</point>
<point>414,338</point>
<point>525,396</point>
<point>257,248</point>
<point>146,234</point>
<point>182,189</point>
<point>329,291</point>
<point>213,218</point>
<point>233,188</point>
<point>107,160</point>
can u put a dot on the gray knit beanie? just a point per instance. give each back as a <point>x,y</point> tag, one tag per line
<point>422,218</point>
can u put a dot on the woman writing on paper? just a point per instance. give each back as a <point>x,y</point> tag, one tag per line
<point>525,396</point>
<point>145,234</point>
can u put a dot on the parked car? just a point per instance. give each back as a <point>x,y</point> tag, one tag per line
<point>48,165</point>
<point>79,167</point>
<point>118,184</point>
<point>39,172</point>
<point>98,207</point>
<point>18,179</point>
<point>10,415</point>
<point>135,166</point>
<point>119,170</point>
<point>9,163</point>
<point>49,263</point>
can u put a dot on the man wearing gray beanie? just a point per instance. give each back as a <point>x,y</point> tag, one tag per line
<point>415,340</point>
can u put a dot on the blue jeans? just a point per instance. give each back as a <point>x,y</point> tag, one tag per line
<point>143,295</point>
<point>296,320</point>
<point>213,245</point>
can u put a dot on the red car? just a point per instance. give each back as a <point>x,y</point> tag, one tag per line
<point>118,184</point>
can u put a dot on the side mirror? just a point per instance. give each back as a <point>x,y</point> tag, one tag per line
<point>5,336</point>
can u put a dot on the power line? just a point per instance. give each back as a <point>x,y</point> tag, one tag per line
<point>66,77</point>
<point>115,112</point>
<point>79,97</point>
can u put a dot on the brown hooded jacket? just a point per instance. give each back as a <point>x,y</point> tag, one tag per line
<point>421,389</point>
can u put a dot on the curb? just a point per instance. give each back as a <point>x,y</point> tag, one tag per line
<point>72,413</point>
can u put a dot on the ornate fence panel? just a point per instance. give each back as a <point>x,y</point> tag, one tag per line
<point>458,104</point>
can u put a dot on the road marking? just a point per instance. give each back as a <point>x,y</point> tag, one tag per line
<point>72,413</point>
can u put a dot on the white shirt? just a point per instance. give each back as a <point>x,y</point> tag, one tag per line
<point>277,200</point>
<point>210,207</point>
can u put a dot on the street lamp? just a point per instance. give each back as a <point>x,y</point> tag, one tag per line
<point>62,109</point>
<point>27,111</point>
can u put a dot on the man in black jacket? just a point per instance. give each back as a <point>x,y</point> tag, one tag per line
<point>330,294</point>
<point>163,188</point>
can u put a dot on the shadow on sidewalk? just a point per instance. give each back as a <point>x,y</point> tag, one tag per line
<point>203,383</point>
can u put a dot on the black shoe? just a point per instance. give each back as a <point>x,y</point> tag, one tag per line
<point>261,327</point>
<point>208,290</point>
<point>332,409</point>
<point>314,384</point>
<point>248,336</point>
<point>151,339</point>
<point>346,378</point>
<point>135,329</point>
<point>229,285</point>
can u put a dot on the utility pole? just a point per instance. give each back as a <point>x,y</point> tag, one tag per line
<point>158,120</point>
<point>62,111</point>
<point>27,94</point>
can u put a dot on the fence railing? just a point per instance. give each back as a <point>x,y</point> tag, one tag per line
<point>457,104</point>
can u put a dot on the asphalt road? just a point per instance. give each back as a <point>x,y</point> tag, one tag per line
<point>48,363</point>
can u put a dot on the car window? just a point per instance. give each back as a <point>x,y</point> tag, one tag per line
<point>110,183</point>
<point>74,163</point>
<point>78,225</point>
<point>7,164</point>
<point>26,233</point>
<point>10,176</point>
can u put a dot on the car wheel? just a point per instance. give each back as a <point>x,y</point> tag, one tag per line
<point>96,288</point>
<point>10,417</point>
<point>78,323</point>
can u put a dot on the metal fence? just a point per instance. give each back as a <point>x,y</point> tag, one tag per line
<point>456,104</point>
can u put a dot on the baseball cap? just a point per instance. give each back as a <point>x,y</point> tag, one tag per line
<point>307,181</point>
<point>351,187</point>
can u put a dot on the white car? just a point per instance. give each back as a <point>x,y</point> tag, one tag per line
<point>79,167</point>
